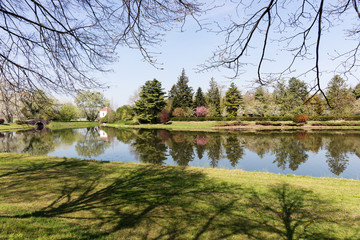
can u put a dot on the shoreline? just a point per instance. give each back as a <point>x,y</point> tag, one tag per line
<point>249,127</point>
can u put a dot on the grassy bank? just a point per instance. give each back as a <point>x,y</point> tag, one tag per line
<point>58,198</point>
<point>14,127</point>
<point>178,125</point>
<point>245,125</point>
<point>63,125</point>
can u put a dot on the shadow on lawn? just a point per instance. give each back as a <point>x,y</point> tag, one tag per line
<point>156,202</point>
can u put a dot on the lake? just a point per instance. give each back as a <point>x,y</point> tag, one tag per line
<point>318,154</point>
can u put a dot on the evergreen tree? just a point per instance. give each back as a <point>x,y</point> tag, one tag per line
<point>213,98</point>
<point>199,98</point>
<point>181,94</point>
<point>357,91</point>
<point>233,100</point>
<point>297,93</point>
<point>151,102</point>
<point>340,98</point>
<point>260,95</point>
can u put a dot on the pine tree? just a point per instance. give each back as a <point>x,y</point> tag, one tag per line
<point>260,95</point>
<point>181,94</point>
<point>233,100</point>
<point>339,96</point>
<point>199,98</point>
<point>151,102</point>
<point>213,98</point>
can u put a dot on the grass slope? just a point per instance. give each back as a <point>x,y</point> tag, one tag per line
<point>59,198</point>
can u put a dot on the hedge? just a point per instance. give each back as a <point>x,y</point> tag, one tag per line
<point>273,118</point>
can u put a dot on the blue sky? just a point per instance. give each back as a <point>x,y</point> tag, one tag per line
<point>190,48</point>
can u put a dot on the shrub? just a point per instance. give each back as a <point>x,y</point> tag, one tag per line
<point>179,112</point>
<point>268,124</point>
<point>2,121</point>
<point>104,119</point>
<point>164,116</point>
<point>201,111</point>
<point>301,118</point>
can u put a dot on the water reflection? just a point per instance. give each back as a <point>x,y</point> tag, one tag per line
<point>287,151</point>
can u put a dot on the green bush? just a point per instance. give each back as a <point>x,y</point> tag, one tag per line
<point>268,124</point>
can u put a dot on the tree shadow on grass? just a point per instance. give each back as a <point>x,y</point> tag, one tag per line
<point>157,202</point>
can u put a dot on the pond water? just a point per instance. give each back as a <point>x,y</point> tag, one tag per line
<point>319,154</point>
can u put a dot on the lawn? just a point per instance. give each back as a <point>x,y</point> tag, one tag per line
<point>14,127</point>
<point>245,125</point>
<point>64,125</point>
<point>58,198</point>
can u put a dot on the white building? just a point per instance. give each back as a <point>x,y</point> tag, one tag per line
<point>104,111</point>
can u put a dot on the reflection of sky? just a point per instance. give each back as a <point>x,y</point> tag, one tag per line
<point>316,165</point>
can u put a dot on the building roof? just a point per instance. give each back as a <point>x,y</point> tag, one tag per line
<point>106,109</point>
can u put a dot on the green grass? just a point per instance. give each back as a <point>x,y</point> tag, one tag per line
<point>59,198</point>
<point>63,125</point>
<point>14,127</point>
<point>176,125</point>
<point>247,125</point>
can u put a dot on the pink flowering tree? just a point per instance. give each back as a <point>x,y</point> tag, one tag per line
<point>201,111</point>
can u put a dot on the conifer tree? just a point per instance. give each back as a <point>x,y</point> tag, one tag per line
<point>151,102</point>
<point>213,98</point>
<point>199,98</point>
<point>260,95</point>
<point>233,100</point>
<point>181,94</point>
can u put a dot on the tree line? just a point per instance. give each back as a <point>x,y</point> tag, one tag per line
<point>288,98</point>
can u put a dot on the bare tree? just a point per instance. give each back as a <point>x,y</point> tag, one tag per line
<point>53,44</point>
<point>297,27</point>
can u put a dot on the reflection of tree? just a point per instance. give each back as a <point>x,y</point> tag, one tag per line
<point>91,145</point>
<point>39,143</point>
<point>149,147</point>
<point>234,151</point>
<point>290,151</point>
<point>214,153</point>
<point>336,155</point>
<point>201,142</point>
<point>10,142</point>
<point>182,150</point>
<point>121,135</point>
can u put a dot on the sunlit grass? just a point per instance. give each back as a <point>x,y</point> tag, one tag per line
<point>63,125</point>
<point>14,127</point>
<point>58,198</point>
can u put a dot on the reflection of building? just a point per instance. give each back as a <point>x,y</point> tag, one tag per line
<point>103,135</point>
<point>104,111</point>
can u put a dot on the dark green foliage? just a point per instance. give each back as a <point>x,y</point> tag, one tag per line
<point>213,98</point>
<point>233,100</point>
<point>339,95</point>
<point>151,102</point>
<point>181,94</point>
<point>260,95</point>
<point>357,91</point>
<point>199,98</point>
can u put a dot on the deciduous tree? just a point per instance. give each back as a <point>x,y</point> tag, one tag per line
<point>90,103</point>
